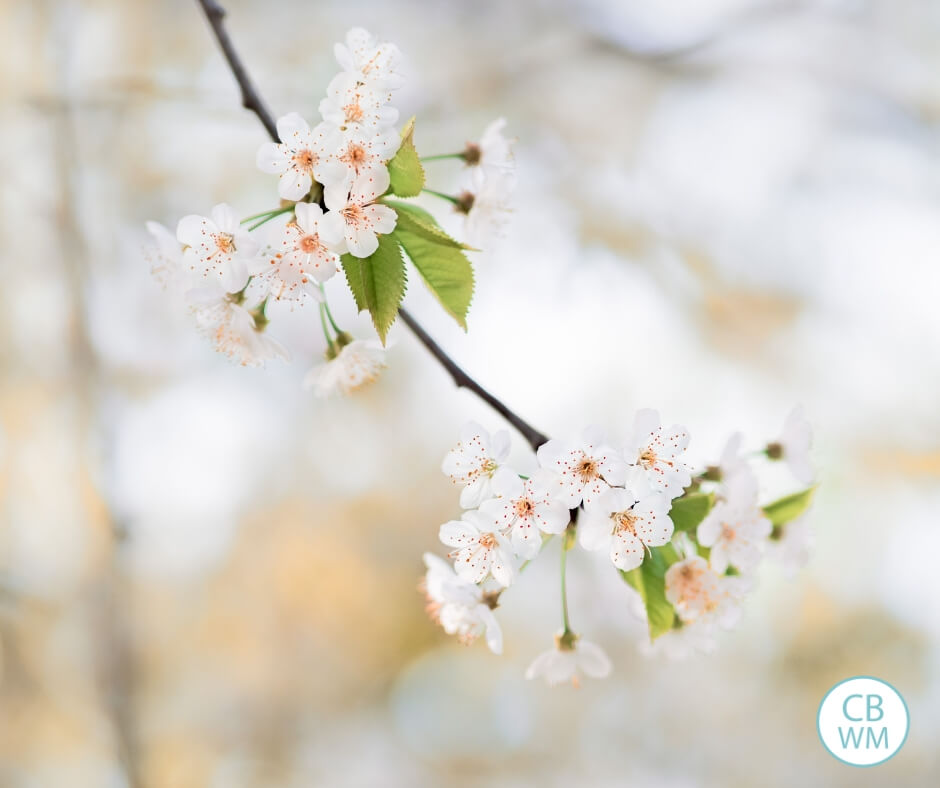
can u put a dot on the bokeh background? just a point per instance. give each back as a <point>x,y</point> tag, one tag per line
<point>208,578</point>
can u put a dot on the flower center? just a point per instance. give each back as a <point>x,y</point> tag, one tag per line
<point>524,507</point>
<point>309,243</point>
<point>305,159</point>
<point>225,243</point>
<point>488,541</point>
<point>353,112</point>
<point>647,458</point>
<point>355,155</point>
<point>587,469</point>
<point>352,214</point>
<point>728,532</point>
<point>625,521</point>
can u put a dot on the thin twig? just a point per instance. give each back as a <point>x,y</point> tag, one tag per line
<point>250,98</point>
<point>252,101</point>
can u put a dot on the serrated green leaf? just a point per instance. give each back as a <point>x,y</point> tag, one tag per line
<point>787,509</point>
<point>689,510</point>
<point>354,279</point>
<point>415,219</point>
<point>380,282</point>
<point>649,579</point>
<point>406,175</point>
<point>446,271</point>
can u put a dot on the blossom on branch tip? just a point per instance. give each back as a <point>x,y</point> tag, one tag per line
<point>584,470</point>
<point>626,527</point>
<point>220,246</point>
<point>736,533</point>
<point>571,657</point>
<point>527,509</point>
<point>355,365</point>
<point>461,608</point>
<point>655,456</point>
<point>474,462</point>
<point>301,156</point>
<point>480,548</point>
<point>351,106</point>
<point>372,62</point>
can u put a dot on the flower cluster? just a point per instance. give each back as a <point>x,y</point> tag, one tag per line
<point>699,536</point>
<point>335,184</point>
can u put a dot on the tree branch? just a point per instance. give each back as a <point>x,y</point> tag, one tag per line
<point>251,100</point>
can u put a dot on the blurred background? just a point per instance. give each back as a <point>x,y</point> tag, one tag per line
<point>208,578</point>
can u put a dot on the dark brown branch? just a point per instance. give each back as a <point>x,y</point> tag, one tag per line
<point>252,101</point>
<point>250,98</point>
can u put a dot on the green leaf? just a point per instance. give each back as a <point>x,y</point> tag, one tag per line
<point>379,285</point>
<point>406,175</point>
<point>787,509</point>
<point>354,279</point>
<point>689,510</point>
<point>415,219</point>
<point>649,579</point>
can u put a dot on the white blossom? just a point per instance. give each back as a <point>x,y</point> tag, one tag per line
<point>682,642</point>
<point>301,157</point>
<point>793,446</point>
<point>655,456</point>
<point>355,365</point>
<point>460,607</point>
<point>487,209</point>
<point>625,526</point>
<point>231,328</point>
<point>352,106</point>
<point>170,261</point>
<point>791,548</point>
<point>492,156</point>
<point>527,510</point>
<point>360,156</point>
<point>356,217</point>
<point>481,548</point>
<point>697,591</point>
<point>736,532</point>
<point>582,471</point>
<point>474,461</point>
<point>301,251</point>
<point>370,61</point>
<point>220,246</point>
<point>568,660</point>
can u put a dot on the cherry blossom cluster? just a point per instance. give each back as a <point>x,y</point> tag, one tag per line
<point>700,536</point>
<point>333,185</point>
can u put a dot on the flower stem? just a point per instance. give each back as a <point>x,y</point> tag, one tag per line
<point>329,314</point>
<point>270,216</point>
<point>441,156</point>
<point>259,215</point>
<point>448,197</point>
<point>564,588</point>
<point>326,331</point>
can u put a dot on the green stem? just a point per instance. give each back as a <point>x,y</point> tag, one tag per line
<point>326,331</point>
<point>564,588</point>
<point>448,197</point>
<point>329,314</point>
<point>441,156</point>
<point>270,216</point>
<point>258,215</point>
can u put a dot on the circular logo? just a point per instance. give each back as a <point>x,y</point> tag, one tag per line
<point>863,721</point>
